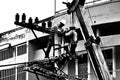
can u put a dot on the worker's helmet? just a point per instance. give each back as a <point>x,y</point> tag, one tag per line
<point>63,21</point>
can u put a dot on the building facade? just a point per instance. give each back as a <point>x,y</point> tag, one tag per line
<point>20,45</point>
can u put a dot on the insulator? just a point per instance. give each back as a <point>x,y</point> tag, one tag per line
<point>23,17</point>
<point>17,16</point>
<point>49,24</point>
<point>43,24</point>
<point>30,20</point>
<point>36,20</point>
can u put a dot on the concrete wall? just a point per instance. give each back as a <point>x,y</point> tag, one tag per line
<point>104,12</point>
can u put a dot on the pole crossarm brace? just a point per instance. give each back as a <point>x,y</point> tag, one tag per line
<point>92,40</point>
<point>73,5</point>
<point>37,28</point>
<point>36,75</point>
<point>34,34</point>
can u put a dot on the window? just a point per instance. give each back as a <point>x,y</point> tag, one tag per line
<point>21,75</point>
<point>7,53</point>
<point>107,29</point>
<point>21,49</point>
<point>10,74</point>
<point>82,66</point>
<point>7,74</point>
<point>108,55</point>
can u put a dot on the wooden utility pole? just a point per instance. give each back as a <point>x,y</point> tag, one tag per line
<point>92,43</point>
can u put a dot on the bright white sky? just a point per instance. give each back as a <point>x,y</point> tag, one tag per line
<point>32,8</point>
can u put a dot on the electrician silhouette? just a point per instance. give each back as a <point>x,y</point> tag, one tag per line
<point>72,40</point>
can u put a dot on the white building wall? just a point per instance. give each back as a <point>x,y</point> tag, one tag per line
<point>14,38</point>
<point>104,12</point>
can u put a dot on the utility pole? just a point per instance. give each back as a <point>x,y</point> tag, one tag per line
<point>92,43</point>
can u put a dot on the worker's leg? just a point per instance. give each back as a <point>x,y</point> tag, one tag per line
<point>48,50</point>
<point>73,47</point>
<point>49,46</point>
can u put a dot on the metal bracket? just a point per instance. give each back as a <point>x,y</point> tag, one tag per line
<point>92,40</point>
<point>36,75</point>
<point>34,34</point>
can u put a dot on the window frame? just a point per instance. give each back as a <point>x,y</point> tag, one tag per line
<point>113,60</point>
<point>3,56</point>
<point>20,46</point>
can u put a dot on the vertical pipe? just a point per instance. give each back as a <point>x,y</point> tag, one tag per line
<point>73,18</point>
<point>114,62</point>
<point>54,6</point>
<point>88,68</point>
<point>76,68</point>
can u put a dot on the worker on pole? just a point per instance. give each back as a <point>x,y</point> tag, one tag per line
<point>54,38</point>
<point>49,46</point>
<point>58,38</point>
<point>72,36</point>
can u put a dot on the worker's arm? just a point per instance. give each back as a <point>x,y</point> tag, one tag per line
<point>69,33</point>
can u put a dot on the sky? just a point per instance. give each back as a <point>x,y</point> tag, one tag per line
<point>32,8</point>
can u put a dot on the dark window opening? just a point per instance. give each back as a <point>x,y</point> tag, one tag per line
<point>107,28</point>
<point>108,57</point>
<point>82,59</point>
<point>40,43</point>
<point>82,66</point>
